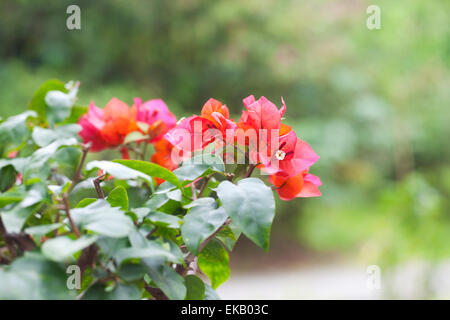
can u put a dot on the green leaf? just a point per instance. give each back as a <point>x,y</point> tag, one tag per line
<point>85,202</point>
<point>166,278</point>
<point>195,288</point>
<point>199,166</point>
<point>144,248</point>
<point>251,206</point>
<point>7,177</point>
<point>34,277</point>
<point>126,292</point>
<point>38,162</point>
<point>213,261</point>
<point>118,198</point>
<point>14,131</point>
<point>63,248</point>
<point>118,170</point>
<point>67,159</point>
<point>44,137</point>
<point>38,104</point>
<point>10,197</point>
<point>15,218</point>
<point>103,219</point>
<point>201,221</point>
<point>75,114</point>
<point>156,201</point>
<point>43,229</point>
<point>162,219</point>
<point>132,271</point>
<point>153,250</point>
<point>229,236</point>
<point>121,291</point>
<point>151,169</point>
<point>19,164</point>
<point>134,136</point>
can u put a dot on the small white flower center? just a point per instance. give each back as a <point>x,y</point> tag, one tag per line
<point>280,154</point>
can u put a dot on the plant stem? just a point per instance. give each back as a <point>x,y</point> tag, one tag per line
<point>203,187</point>
<point>77,177</point>
<point>97,186</point>
<point>250,170</point>
<point>156,293</point>
<point>67,208</point>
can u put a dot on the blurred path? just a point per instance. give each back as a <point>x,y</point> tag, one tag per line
<point>339,281</point>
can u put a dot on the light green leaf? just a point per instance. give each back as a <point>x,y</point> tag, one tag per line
<point>43,229</point>
<point>199,166</point>
<point>34,277</point>
<point>156,201</point>
<point>85,202</point>
<point>63,248</point>
<point>39,159</point>
<point>15,218</point>
<point>14,130</point>
<point>103,219</point>
<point>44,137</point>
<point>200,222</point>
<point>213,261</point>
<point>164,220</point>
<point>251,206</point>
<point>152,249</point>
<point>118,198</point>
<point>118,170</point>
<point>166,278</point>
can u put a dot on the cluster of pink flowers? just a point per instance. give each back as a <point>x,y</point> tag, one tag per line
<point>108,127</point>
<point>260,137</point>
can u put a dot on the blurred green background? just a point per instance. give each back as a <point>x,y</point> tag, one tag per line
<point>374,104</point>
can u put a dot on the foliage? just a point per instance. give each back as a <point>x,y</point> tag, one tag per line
<point>59,211</point>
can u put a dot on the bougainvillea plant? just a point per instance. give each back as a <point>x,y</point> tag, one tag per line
<point>157,223</point>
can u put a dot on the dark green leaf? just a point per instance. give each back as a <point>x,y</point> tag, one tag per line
<point>151,169</point>
<point>195,288</point>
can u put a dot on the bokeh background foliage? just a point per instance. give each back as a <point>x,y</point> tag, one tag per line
<point>373,104</point>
